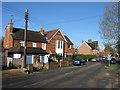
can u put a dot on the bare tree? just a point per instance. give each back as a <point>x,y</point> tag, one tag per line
<point>108,24</point>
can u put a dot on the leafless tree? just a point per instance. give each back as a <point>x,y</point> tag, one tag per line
<point>108,23</point>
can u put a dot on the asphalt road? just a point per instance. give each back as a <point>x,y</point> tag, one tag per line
<point>91,75</point>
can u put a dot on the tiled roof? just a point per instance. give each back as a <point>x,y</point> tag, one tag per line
<point>68,40</point>
<point>93,44</point>
<point>49,34</point>
<point>29,50</point>
<point>34,36</point>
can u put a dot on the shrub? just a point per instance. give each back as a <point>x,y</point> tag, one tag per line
<point>59,57</point>
<point>85,56</point>
<point>70,57</point>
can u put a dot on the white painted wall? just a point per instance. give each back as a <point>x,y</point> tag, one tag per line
<point>16,55</point>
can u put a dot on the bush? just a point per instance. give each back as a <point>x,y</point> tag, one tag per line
<point>70,57</point>
<point>59,57</point>
<point>85,56</point>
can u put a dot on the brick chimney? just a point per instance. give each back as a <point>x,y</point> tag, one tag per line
<point>42,31</point>
<point>10,26</point>
<point>82,41</point>
<point>90,40</point>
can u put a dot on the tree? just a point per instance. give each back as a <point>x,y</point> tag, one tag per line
<point>1,42</point>
<point>109,49</point>
<point>75,49</point>
<point>108,24</point>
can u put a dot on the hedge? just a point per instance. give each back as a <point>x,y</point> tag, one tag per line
<point>88,56</point>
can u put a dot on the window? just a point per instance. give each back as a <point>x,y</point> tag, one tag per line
<point>21,43</point>
<point>69,46</point>
<point>59,44</point>
<point>44,46</point>
<point>33,44</point>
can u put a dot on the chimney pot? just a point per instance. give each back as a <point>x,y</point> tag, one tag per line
<point>42,30</point>
<point>90,40</point>
<point>10,20</point>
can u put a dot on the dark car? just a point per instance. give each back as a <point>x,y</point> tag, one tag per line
<point>118,61</point>
<point>79,61</point>
<point>113,61</point>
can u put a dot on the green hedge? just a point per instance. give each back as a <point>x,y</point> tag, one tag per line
<point>85,56</point>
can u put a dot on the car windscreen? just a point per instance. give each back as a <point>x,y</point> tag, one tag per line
<point>77,59</point>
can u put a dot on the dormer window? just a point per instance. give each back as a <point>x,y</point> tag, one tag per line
<point>33,44</point>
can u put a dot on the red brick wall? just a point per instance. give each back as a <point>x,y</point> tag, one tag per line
<point>16,43</point>
<point>70,50</point>
<point>52,44</point>
<point>29,44</point>
<point>84,49</point>
<point>7,38</point>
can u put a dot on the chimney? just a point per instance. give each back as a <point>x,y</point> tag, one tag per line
<point>42,31</point>
<point>10,26</point>
<point>82,41</point>
<point>90,40</point>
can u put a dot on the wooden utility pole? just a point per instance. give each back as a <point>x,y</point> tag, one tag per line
<point>25,37</point>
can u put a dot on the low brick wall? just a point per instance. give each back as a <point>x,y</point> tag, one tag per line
<point>54,65</point>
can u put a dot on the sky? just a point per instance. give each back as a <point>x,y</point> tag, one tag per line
<point>77,20</point>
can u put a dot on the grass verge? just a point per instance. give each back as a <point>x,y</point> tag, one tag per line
<point>113,66</point>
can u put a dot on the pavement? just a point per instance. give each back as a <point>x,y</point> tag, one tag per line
<point>91,75</point>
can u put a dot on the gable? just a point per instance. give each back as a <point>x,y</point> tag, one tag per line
<point>51,34</point>
<point>93,44</point>
<point>84,44</point>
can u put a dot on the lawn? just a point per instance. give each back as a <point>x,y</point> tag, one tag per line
<point>113,66</point>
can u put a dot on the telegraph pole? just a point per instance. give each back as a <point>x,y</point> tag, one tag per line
<point>25,37</point>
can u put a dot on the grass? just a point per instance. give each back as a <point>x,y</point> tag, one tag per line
<point>113,66</point>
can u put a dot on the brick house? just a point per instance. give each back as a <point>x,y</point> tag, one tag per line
<point>40,44</point>
<point>58,43</point>
<point>90,47</point>
<point>14,45</point>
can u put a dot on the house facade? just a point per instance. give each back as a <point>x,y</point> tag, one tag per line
<point>14,45</point>
<point>40,44</point>
<point>90,47</point>
<point>58,43</point>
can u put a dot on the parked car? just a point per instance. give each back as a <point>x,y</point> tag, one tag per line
<point>118,62</point>
<point>99,59</point>
<point>113,61</point>
<point>104,58</point>
<point>94,59</point>
<point>79,61</point>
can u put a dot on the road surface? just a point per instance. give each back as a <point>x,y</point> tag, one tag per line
<point>91,75</point>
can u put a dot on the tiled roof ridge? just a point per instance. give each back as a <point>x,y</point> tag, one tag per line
<point>51,30</point>
<point>27,30</point>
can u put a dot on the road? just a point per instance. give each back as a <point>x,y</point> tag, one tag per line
<point>91,75</point>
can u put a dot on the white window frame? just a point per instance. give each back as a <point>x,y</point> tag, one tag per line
<point>34,44</point>
<point>69,47</point>
<point>44,46</point>
<point>59,44</point>
<point>22,43</point>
